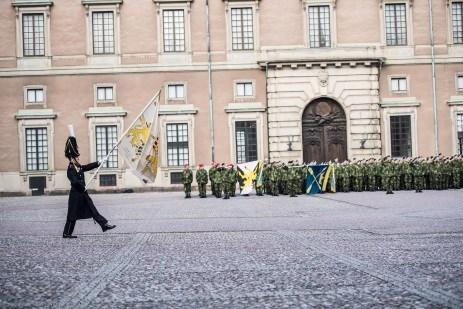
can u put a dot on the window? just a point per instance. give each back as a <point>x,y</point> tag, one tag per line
<point>177,144</point>
<point>174,30</point>
<point>246,141</point>
<point>108,180</point>
<point>106,138</point>
<point>34,95</point>
<point>401,139</point>
<point>33,35</point>
<point>244,89</point>
<point>396,24</point>
<point>242,29</point>
<point>36,149</point>
<point>460,133</point>
<point>103,33</point>
<point>457,22</point>
<point>176,178</point>
<point>104,94</point>
<point>460,82</point>
<point>319,26</point>
<point>176,92</point>
<point>398,84</point>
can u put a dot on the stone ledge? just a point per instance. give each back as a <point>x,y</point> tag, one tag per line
<point>244,107</point>
<point>25,3</point>
<point>111,111</point>
<point>455,100</point>
<point>177,109</point>
<point>400,102</point>
<point>35,114</point>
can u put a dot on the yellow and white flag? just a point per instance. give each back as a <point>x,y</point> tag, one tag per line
<point>139,146</point>
<point>247,173</point>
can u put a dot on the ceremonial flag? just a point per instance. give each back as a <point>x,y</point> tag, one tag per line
<point>247,173</point>
<point>139,146</point>
<point>320,178</point>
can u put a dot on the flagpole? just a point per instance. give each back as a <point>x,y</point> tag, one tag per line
<point>155,97</point>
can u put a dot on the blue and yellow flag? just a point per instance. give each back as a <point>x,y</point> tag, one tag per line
<point>320,178</point>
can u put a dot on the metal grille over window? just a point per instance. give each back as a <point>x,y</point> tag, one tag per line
<point>108,180</point>
<point>36,149</point>
<point>457,22</point>
<point>33,35</point>
<point>174,30</point>
<point>103,32</point>
<point>460,133</point>
<point>104,93</point>
<point>177,144</point>
<point>106,138</point>
<point>244,89</point>
<point>246,141</point>
<point>34,95</point>
<point>396,24</point>
<point>242,29</point>
<point>401,138</point>
<point>319,26</point>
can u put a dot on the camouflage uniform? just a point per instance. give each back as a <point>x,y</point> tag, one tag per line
<point>187,179</point>
<point>228,178</point>
<point>388,175</point>
<point>292,181</point>
<point>201,179</point>
<point>218,181</point>
<point>212,171</point>
<point>273,179</point>
<point>418,169</point>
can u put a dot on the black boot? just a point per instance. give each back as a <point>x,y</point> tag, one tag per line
<point>107,226</point>
<point>389,192</point>
<point>68,229</point>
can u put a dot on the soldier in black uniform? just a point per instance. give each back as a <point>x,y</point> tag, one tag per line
<point>80,205</point>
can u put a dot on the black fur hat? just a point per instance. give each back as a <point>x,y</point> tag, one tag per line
<point>71,150</point>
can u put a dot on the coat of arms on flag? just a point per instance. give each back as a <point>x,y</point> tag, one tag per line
<point>248,173</point>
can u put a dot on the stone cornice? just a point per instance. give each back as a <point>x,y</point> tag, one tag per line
<point>400,102</point>
<point>244,107</point>
<point>112,111</point>
<point>455,100</point>
<point>35,114</point>
<point>27,3</point>
<point>177,109</point>
<point>101,2</point>
<point>170,1</point>
<point>309,63</point>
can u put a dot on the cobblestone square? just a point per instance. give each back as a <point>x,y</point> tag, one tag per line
<point>352,250</point>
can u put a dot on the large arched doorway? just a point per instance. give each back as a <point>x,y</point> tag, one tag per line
<point>324,131</point>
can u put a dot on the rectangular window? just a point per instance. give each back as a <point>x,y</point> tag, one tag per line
<point>242,29</point>
<point>460,82</point>
<point>319,26</point>
<point>401,136</point>
<point>36,149</point>
<point>246,141</point>
<point>33,35</point>
<point>103,33</point>
<point>176,178</point>
<point>457,22</point>
<point>174,30</point>
<point>106,138</point>
<point>175,92</point>
<point>396,24</point>
<point>244,89</point>
<point>398,84</point>
<point>460,133</point>
<point>108,180</point>
<point>34,95</point>
<point>177,144</point>
<point>104,93</point>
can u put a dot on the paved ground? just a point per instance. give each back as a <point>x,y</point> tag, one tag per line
<point>333,250</point>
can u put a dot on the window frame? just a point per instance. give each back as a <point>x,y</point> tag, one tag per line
<point>40,52</point>
<point>97,102</point>
<point>178,147</point>
<point>319,6</point>
<point>36,150</point>
<point>451,39</point>
<point>391,78</point>
<point>391,140</point>
<point>256,145</point>
<point>114,154</point>
<point>459,143</point>
<point>332,20</point>
<point>28,104</point>
<point>238,97</point>
<point>409,22</point>
<point>254,5</point>
<point>458,76</point>
<point>176,100</point>
<point>104,53</point>
<point>411,111</point>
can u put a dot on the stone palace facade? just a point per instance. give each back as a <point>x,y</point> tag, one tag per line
<point>241,80</point>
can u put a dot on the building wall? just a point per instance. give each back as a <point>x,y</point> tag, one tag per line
<point>286,74</point>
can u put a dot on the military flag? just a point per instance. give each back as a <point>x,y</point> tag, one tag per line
<point>320,178</point>
<point>247,173</point>
<point>139,146</point>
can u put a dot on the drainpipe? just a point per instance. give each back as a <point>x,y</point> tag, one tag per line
<point>433,67</point>
<point>209,73</point>
<point>266,103</point>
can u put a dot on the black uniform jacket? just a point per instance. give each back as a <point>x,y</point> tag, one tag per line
<point>80,205</point>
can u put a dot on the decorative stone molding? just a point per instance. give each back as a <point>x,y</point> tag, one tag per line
<point>177,109</point>
<point>26,3</point>
<point>244,107</point>
<point>101,2</point>
<point>23,114</point>
<point>455,100</point>
<point>110,111</point>
<point>400,102</point>
<point>322,63</point>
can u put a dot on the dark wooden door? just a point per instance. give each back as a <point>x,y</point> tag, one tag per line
<point>324,131</point>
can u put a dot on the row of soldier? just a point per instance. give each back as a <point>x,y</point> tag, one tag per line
<point>388,174</point>
<point>418,173</point>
